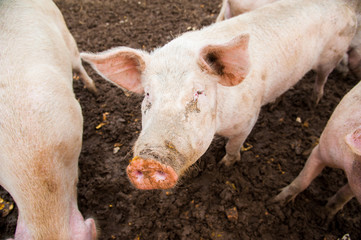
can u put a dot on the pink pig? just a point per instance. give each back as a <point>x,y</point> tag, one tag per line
<point>339,147</point>
<point>187,83</point>
<point>351,61</point>
<point>232,8</point>
<point>41,121</point>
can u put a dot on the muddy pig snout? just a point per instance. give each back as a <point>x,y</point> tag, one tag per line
<point>149,174</point>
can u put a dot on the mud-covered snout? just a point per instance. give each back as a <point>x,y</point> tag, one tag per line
<point>148,173</point>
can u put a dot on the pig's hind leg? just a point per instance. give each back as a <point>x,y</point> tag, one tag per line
<point>348,191</point>
<point>332,54</point>
<point>337,201</point>
<point>310,171</point>
<point>323,70</point>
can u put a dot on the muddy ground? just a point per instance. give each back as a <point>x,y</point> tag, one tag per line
<point>197,208</point>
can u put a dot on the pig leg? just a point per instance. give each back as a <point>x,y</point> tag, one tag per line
<point>312,168</point>
<point>342,66</point>
<point>331,56</point>
<point>225,12</point>
<point>77,64</point>
<point>235,141</point>
<point>233,149</point>
<point>322,74</point>
<point>355,61</point>
<point>88,82</point>
<point>337,201</point>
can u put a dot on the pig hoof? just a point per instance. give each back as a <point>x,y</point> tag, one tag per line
<point>230,160</point>
<point>5,207</point>
<point>149,174</point>
<point>282,200</point>
<point>284,197</point>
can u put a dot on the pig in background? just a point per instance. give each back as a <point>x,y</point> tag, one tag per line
<point>232,8</point>
<point>339,147</point>
<point>41,121</point>
<point>187,83</point>
<point>350,61</point>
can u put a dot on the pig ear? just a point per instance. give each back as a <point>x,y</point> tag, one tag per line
<point>229,61</point>
<point>353,140</point>
<point>122,66</point>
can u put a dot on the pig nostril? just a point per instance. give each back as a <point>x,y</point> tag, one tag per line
<point>138,174</point>
<point>160,175</point>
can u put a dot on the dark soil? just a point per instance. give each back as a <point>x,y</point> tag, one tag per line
<point>198,207</point>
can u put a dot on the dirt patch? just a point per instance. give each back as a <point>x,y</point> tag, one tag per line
<point>210,202</point>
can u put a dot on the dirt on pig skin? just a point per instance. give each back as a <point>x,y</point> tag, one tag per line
<point>210,202</point>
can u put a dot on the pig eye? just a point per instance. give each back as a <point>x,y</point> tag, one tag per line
<point>146,103</point>
<point>197,94</point>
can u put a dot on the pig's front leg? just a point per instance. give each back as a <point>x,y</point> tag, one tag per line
<point>234,145</point>
<point>312,168</point>
<point>233,150</point>
<point>237,135</point>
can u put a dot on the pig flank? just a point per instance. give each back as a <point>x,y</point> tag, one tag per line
<point>339,147</point>
<point>41,121</point>
<point>233,68</point>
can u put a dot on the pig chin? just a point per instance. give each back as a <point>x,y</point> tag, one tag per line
<point>150,170</point>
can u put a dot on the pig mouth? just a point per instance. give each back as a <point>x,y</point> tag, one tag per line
<point>147,174</point>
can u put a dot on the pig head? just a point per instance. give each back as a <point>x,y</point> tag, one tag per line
<point>179,108</point>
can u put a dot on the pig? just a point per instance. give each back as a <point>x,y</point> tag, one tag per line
<point>215,80</point>
<point>339,147</point>
<point>232,8</point>
<point>351,61</point>
<point>41,121</point>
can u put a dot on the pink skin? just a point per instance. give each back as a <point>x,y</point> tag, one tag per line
<point>148,174</point>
